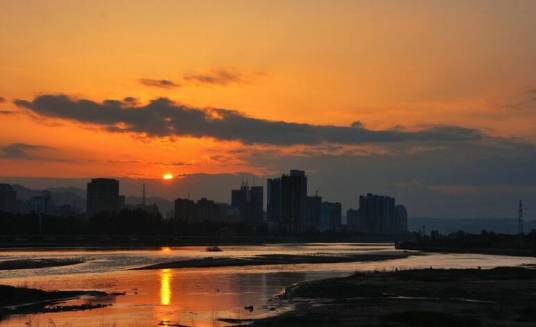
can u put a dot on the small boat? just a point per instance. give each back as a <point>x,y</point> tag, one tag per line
<point>214,248</point>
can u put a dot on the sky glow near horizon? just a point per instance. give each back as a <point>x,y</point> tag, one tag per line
<point>426,100</point>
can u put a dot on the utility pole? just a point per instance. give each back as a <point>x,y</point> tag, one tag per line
<point>520,218</point>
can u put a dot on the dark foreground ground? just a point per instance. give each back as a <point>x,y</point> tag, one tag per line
<point>449,298</point>
<point>278,259</point>
<point>22,300</point>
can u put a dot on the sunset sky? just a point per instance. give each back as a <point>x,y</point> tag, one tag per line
<point>431,101</point>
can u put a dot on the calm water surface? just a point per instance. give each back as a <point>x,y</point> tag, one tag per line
<point>197,297</point>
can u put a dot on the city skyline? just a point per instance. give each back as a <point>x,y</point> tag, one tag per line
<point>290,209</point>
<point>430,102</point>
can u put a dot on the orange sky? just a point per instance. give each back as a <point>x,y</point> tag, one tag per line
<point>407,63</point>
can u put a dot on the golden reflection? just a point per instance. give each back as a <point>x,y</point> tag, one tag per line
<point>165,249</point>
<point>165,287</point>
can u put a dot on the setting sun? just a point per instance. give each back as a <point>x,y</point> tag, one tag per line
<point>167,176</point>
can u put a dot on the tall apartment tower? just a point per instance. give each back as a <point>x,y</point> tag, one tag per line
<point>379,215</point>
<point>313,213</point>
<point>184,210</point>
<point>249,201</point>
<point>273,200</point>
<point>102,196</point>
<point>293,201</point>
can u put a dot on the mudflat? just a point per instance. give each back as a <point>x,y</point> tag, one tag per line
<point>278,259</point>
<point>18,300</point>
<point>429,297</point>
<point>37,263</point>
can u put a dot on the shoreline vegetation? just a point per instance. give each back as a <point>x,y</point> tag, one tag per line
<point>483,243</point>
<point>22,300</point>
<point>277,259</point>
<point>501,296</point>
<point>37,263</point>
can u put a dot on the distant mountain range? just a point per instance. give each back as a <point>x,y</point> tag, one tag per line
<point>60,196</point>
<point>76,197</point>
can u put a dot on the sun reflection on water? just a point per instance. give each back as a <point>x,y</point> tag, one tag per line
<point>165,287</point>
<point>165,249</point>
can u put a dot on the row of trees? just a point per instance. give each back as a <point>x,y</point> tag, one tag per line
<point>465,241</point>
<point>128,221</point>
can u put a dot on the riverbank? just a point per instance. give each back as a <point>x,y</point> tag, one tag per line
<point>514,252</point>
<point>438,297</point>
<point>278,259</point>
<point>22,300</point>
<point>521,245</point>
<point>37,263</point>
<point>133,241</point>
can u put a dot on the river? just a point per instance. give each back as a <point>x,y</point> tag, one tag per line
<point>197,296</point>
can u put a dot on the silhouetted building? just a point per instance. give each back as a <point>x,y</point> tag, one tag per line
<point>207,210</point>
<point>352,220</point>
<point>249,202</point>
<point>273,197</point>
<point>102,196</point>
<point>331,217</point>
<point>379,215</point>
<point>184,210</point>
<point>314,213</point>
<point>8,198</point>
<point>293,201</point>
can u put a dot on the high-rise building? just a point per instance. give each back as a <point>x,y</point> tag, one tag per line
<point>102,196</point>
<point>314,213</point>
<point>249,202</point>
<point>207,210</point>
<point>257,204</point>
<point>8,198</point>
<point>273,197</point>
<point>293,201</point>
<point>331,217</point>
<point>378,214</point>
<point>352,220</point>
<point>184,210</point>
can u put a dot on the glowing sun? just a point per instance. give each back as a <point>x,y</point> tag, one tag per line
<point>167,176</point>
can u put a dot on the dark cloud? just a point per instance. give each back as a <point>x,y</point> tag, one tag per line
<point>160,163</point>
<point>215,77</point>
<point>2,99</point>
<point>22,151</point>
<point>162,83</point>
<point>131,100</point>
<point>163,118</point>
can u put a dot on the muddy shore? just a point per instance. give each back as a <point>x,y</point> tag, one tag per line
<point>438,297</point>
<point>277,259</point>
<point>37,263</point>
<point>22,300</point>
